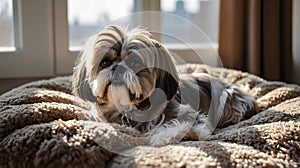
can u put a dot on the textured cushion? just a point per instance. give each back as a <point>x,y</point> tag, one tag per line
<point>43,124</point>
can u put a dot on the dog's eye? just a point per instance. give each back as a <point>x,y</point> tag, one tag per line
<point>105,63</point>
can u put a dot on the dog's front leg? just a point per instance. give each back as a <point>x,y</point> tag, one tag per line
<point>201,129</point>
<point>171,132</point>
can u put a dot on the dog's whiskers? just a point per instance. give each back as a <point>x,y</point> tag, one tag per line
<point>132,83</point>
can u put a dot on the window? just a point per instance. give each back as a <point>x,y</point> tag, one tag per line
<point>6,25</point>
<point>203,13</point>
<point>85,17</point>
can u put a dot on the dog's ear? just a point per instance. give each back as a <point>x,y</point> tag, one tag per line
<point>81,86</point>
<point>167,83</point>
<point>166,75</point>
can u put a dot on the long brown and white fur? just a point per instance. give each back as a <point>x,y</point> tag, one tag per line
<point>133,80</point>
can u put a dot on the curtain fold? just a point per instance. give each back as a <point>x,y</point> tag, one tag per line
<point>256,36</point>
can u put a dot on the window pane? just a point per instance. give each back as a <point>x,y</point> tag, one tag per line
<point>203,13</point>
<point>6,24</point>
<point>87,16</point>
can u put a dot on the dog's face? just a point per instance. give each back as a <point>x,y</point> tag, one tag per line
<point>121,69</point>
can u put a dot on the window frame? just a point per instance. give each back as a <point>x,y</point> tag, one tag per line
<point>33,55</point>
<point>65,58</point>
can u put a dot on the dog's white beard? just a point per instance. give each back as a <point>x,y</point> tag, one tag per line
<point>120,97</point>
<point>117,94</point>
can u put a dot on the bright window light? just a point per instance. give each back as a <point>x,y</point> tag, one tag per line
<point>203,13</point>
<point>7,42</point>
<point>87,16</point>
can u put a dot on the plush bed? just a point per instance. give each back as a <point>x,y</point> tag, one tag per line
<point>43,125</point>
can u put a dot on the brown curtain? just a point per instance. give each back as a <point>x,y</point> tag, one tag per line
<point>256,36</point>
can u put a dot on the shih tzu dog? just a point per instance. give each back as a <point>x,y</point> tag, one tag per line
<point>133,80</point>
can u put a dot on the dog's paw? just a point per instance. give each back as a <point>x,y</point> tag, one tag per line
<point>201,129</point>
<point>169,134</point>
<point>200,132</point>
<point>158,141</point>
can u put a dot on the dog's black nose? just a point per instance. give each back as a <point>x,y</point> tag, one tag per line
<point>118,72</point>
